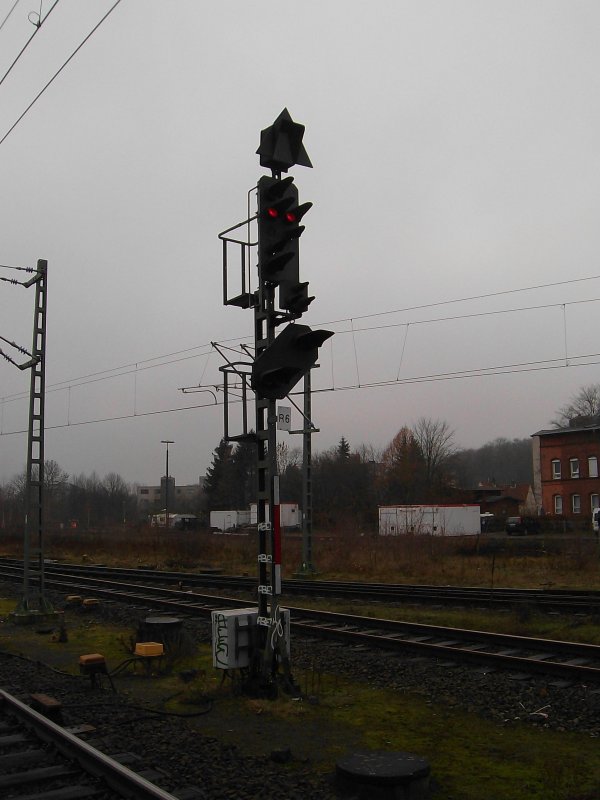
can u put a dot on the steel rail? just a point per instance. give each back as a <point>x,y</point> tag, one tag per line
<point>505,650</point>
<point>119,778</point>
<point>550,599</point>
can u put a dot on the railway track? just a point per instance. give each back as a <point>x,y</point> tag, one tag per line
<point>557,659</point>
<point>557,600</point>
<point>39,760</point>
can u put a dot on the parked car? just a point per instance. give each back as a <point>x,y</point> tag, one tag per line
<point>522,525</point>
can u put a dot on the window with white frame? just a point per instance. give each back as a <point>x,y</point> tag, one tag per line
<point>592,467</point>
<point>557,504</point>
<point>576,503</point>
<point>555,469</point>
<point>574,467</point>
<point>594,501</point>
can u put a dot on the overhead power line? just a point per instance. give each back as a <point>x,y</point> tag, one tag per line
<point>58,71</point>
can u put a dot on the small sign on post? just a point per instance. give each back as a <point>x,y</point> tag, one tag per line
<point>284,418</point>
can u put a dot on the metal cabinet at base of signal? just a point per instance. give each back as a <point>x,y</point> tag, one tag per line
<point>234,632</point>
<point>441,520</point>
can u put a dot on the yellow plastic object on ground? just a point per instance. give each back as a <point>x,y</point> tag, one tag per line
<point>146,649</point>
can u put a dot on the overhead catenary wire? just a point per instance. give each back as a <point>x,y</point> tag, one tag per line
<point>38,26</point>
<point>6,18</point>
<point>403,349</point>
<point>468,298</point>
<point>558,362</point>
<point>118,372</point>
<point>8,358</point>
<point>16,346</point>
<point>14,281</point>
<point>128,368</point>
<point>479,372</point>
<point>115,372</point>
<point>58,71</point>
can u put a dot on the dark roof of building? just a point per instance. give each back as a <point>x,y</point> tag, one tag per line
<point>571,429</point>
<point>502,499</point>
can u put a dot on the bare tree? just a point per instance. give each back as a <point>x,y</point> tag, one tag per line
<point>287,457</point>
<point>369,454</point>
<point>55,488</point>
<point>401,478</point>
<point>55,484</point>
<point>585,403</point>
<point>436,442</point>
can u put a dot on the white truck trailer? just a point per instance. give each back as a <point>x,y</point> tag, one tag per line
<point>440,520</point>
<point>228,521</point>
<point>289,515</point>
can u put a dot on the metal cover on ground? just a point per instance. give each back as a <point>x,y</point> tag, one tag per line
<point>384,768</point>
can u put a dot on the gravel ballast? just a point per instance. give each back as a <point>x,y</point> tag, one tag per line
<point>186,758</point>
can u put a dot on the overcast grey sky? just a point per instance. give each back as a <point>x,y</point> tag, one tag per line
<point>455,152</point>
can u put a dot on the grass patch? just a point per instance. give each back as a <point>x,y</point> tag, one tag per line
<point>85,631</point>
<point>471,758</point>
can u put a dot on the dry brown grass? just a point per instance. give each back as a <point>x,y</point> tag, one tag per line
<point>572,561</point>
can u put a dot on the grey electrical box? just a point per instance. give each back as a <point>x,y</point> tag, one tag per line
<point>233,637</point>
<point>234,632</point>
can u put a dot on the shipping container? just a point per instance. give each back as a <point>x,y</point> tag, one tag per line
<point>440,520</point>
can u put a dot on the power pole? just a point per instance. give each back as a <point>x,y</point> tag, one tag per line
<point>35,604</point>
<point>307,554</point>
<point>167,442</point>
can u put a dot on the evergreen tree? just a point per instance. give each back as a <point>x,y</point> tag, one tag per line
<point>219,483</point>
<point>343,450</point>
<point>244,471</point>
<point>342,488</point>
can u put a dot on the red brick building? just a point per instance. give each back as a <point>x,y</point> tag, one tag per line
<point>565,469</point>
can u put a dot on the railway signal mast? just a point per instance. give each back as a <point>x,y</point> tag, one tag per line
<point>280,362</point>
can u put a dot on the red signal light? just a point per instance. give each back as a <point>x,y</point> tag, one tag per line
<point>272,212</point>
<point>290,216</point>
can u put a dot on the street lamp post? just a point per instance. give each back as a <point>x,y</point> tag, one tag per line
<point>167,442</point>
